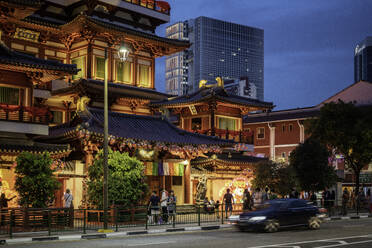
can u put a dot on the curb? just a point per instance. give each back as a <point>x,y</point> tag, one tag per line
<point>348,217</point>
<point>111,235</point>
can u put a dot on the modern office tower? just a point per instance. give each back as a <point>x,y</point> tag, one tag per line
<point>363,61</point>
<point>218,49</point>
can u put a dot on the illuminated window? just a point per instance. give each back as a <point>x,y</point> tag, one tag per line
<point>100,67</point>
<point>9,95</point>
<point>124,72</point>
<point>144,76</point>
<point>260,133</point>
<point>80,64</point>
<point>227,123</point>
<point>57,117</point>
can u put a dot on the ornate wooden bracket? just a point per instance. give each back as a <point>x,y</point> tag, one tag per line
<point>68,39</point>
<point>244,110</point>
<point>35,77</point>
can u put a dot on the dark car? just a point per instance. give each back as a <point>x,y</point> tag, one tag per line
<point>279,213</point>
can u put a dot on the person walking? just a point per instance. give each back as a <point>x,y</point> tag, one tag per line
<point>229,199</point>
<point>313,198</point>
<point>154,207</point>
<point>257,198</point>
<point>4,207</point>
<point>247,200</point>
<point>163,204</point>
<point>69,205</point>
<point>345,200</point>
<point>369,200</point>
<point>172,202</point>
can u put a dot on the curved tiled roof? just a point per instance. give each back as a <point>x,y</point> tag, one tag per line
<point>115,90</point>
<point>138,127</point>
<point>282,115</point>
<point>233,157</point>
<point>150,128</point>
<point>218,93</point>
<point>34,147</point>
<point>14,58</point>
<point>31,3</point>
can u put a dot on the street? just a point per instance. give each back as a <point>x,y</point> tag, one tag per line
<point>344,233</point>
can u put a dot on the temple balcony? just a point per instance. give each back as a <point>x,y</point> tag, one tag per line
<point>21,119</point>
<point>238,136</point>
<point>156,9</point>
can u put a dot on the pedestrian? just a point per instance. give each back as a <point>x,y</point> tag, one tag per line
<point>163,204</point>
<point>206,203</point>
<point>172,203</point>
<point>247,200</point>
<point>217,207</point>
<point>257,198</point>
<point>313,198</point>
<point>326,200</point>
<point>369,200</point>
<point>345,200</point>
<point>69,205</point>
<point>332,200</point>
<point>229,199</point>
<point>4,207</point>
<point>154,207</point>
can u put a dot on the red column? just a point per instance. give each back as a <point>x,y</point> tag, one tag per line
<point>187,177</point>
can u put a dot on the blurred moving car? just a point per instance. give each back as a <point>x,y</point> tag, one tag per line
<point>279,213</point>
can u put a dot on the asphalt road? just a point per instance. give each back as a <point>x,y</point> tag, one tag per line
<point>343,233</point>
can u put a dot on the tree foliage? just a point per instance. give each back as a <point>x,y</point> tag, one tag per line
<point>310,163</point>
<point>277,177</point>
<point>348,130</point>
<point>35,182</point>
<point>126,180</point>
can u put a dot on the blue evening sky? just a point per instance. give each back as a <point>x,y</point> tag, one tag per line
<point>309,45</point>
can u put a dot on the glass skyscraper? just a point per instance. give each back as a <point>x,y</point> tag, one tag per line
<point>218,49</point>
<point>363,61</point>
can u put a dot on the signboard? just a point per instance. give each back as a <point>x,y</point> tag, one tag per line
<point>365,178</point>
<point>25,34</point>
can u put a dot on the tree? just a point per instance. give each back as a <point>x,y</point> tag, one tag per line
<point>35,182</point>
<point>276,176</point>
<point>126,180</point>
<point>310,163</point>
<point>347,130</point>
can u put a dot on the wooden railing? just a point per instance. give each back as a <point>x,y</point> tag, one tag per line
<point>160,6</point>
<point>25,114</point>
<point>238,136</point>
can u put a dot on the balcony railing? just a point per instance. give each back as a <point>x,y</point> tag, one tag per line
<point>24,114</point>
<point>160,6</point>
<point>238,136</point>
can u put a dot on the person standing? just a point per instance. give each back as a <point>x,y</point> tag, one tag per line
<point>154,207</point>
<point>163,204</point>
<point>229,199</point>
<point>345,200</point>
<point>247,199</point>
<point>4,207</point>
<point>69,205</point>
<point>313,198</point>
<point>172,201</point>
<point>257,198</point>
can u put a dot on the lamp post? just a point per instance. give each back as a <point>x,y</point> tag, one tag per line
<point>123,53</point>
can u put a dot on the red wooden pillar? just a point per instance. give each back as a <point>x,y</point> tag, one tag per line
<point>187,177</point>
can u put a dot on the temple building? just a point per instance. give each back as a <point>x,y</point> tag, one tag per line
<point>52,67</point>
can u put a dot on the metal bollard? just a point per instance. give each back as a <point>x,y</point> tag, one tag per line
<point>49,222</point>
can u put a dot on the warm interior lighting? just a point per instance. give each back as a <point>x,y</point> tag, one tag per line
<point>123,52</point>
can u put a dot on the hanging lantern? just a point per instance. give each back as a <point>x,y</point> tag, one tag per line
<point>123,52</point>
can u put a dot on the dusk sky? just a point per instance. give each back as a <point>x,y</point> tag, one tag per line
<point>309,45</point>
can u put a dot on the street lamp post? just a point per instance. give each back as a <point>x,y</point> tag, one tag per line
<point>123,53</point>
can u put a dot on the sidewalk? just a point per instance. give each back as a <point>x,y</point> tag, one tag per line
<point>122,232</point>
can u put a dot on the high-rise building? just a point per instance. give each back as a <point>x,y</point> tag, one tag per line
<point>363,61</point>
<point>218,49</point>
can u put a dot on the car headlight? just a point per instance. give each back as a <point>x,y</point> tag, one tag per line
<point>257,218</point>
<point>234,218</point>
